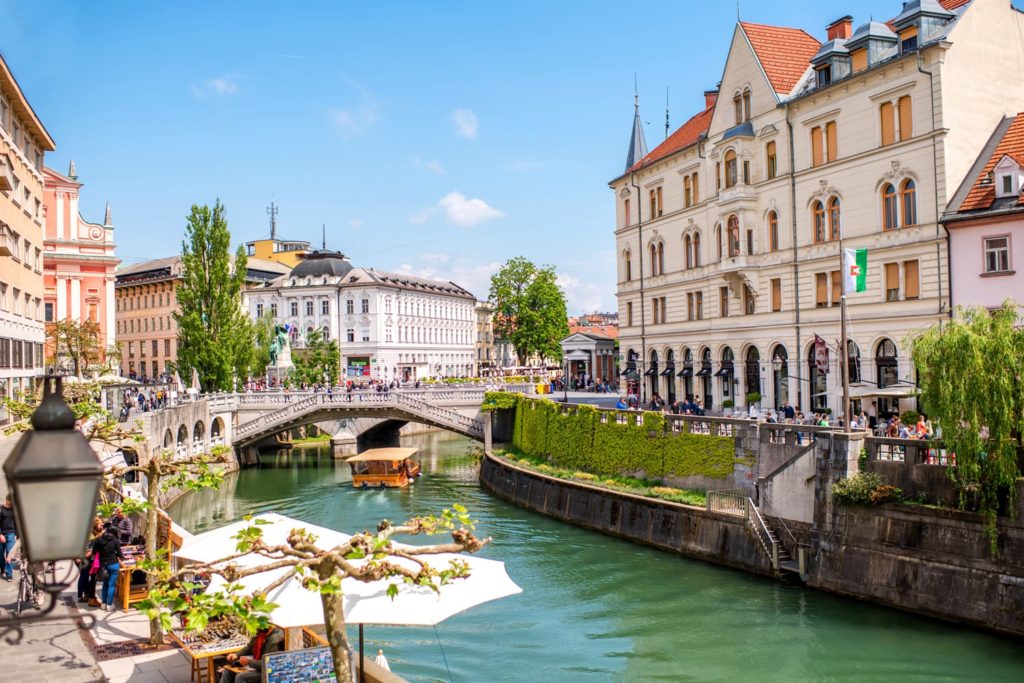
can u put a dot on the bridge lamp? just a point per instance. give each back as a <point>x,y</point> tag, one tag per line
<point>54,478</point>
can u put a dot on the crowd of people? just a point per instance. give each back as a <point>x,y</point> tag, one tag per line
<point>102,561</point>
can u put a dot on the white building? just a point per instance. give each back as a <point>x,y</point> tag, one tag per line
<point>728,234</point>
<point>388,326</point>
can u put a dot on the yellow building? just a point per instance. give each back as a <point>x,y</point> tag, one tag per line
<point>23,144</point>
<point>287,252</point>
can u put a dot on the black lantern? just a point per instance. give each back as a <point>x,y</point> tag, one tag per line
<point>54,478</point>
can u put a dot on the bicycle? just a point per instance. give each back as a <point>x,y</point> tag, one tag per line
<point>31,576</point>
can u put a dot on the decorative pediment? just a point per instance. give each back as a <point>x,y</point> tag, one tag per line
<point>624,192</point>
<point>823,192</point>
<point>896,171</point>
<point>768,131</point>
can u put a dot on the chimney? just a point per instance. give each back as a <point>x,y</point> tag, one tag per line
<point>710,97</point>
<point>840,28</point>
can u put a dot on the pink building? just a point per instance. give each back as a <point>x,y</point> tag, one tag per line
<point>985,221</point>
<point>78,258</point>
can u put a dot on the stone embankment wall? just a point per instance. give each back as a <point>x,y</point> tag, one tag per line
<point>688,530</point>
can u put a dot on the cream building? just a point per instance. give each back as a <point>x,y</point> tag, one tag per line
<point>485,360</point>
<point>729,233</point>
<point>23,144</point>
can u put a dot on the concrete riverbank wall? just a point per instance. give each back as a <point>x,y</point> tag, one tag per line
<point>691,531</point>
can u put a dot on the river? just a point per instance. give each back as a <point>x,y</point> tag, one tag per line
<point>595,608</point>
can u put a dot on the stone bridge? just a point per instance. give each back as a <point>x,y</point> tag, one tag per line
<point>242,420</point>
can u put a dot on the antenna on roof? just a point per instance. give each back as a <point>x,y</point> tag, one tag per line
<point>325,237</point>
<point>666,112</point>
<point>272,212</point>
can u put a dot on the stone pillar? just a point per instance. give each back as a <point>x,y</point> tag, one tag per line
<point>62,298</point>
<point>488,430</point>
<point>76,299</point>
<point>343,445</point>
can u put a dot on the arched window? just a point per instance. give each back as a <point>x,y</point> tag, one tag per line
<point>727,371</point>
<point>687,374</point>
<point>887,363</point>
<point>670,375</point>
<point>746,104</point>
<point>819,382</point>
<point>688,244</point>
<point>737,105</point>
<point>734,235</point>
<point>730,168</point>
<point>696,250</point>
<point>652,373</point>
<point>628,258</point>
<point>773,231</point>
<point>753,367</point>
<point>889,218</point>
<point>908,200</point>
<point>718,239</point>
<point>654,259</point>
<point>852,361</point>
<point>705,374</point>
<point>780,376</point>
<point>661,258</point>
<point>833,218</point>
<point>818,220</point>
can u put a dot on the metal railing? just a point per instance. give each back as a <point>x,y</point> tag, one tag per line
<point>728,502</point>
<point>764,535</point>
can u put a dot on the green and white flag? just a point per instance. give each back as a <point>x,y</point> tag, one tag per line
<point>855,270</point>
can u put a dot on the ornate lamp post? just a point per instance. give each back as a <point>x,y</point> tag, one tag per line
<point>54,478</point>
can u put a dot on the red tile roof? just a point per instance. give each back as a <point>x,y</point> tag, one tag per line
<point>686,135</point>
<point>952,4</point>
<point>610,331</point>
<point>981,196</point>
<point>784,53</point>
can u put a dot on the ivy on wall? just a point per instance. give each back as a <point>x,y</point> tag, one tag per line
<point>577,439</point>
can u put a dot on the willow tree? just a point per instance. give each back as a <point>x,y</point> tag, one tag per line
<point>366,557</point>
<point>971,377</point>
<point>214,335</point>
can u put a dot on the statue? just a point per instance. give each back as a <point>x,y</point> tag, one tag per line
<point>279,346</point>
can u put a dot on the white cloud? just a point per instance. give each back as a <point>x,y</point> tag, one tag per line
<point>222,86</point>
<point>467,124</point>
<point>355,223</point>
<point>422,216</point>
<point>581,296</point>
<point>353,122</point>
<point>475,277</point>
<point>432,165</point>
<point>466,212</point>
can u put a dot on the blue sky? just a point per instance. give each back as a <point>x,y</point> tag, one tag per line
<point>438,138</point>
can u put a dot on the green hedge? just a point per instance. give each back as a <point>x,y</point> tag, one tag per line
<point>579,440</point>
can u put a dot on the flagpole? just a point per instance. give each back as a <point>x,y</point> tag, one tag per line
<point>844,354</point>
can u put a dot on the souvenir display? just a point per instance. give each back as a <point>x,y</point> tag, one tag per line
<point>312,665</point>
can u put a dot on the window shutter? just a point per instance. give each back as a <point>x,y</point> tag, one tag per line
<point>837,287</point>
<point>906,118</point>
<point>821,282</point>
<point>892,281</point>
<point>777,294</point>
<point>833,143</point>
<point>696,195</point>
<point>911,279</point>
<point>816,146</point>
<point>888,124</point>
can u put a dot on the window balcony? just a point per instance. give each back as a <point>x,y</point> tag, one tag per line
<point>730,264</point>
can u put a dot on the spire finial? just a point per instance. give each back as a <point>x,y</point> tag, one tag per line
<point>325,237</point>
<point>637,144</point>
<point>636,94</point>
<point>666,113</point>
<point>72,172</point>
<point>107,220</point>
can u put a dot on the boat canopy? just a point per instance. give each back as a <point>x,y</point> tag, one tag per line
<point>384,454</point>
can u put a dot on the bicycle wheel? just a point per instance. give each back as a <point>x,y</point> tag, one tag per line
<point>24,591</point>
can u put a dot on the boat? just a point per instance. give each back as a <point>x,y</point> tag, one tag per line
<point>384,468</point>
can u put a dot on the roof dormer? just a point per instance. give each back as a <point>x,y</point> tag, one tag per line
<point>870,44</point>
<point>1007,177</point>
<point>832,61</point>
<point>920,22</point>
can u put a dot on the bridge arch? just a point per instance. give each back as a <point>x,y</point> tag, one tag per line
<point>168,439</point>
<point>182,435</point>
<point>217,431</point>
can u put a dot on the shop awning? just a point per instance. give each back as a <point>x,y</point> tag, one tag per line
<point>650,372</point>
<point>723,372</point>
<point>685,372</point>
<point>668,372</point>
<point>704,372</point>
<point>900,391</point>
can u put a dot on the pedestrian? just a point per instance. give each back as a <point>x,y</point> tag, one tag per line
<point>8,536</point>
<point>88,568</point>
<point>109,548</point>
<point>266,641</point>
<point>123,525</point>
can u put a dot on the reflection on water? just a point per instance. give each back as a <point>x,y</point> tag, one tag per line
<point>595,608</point>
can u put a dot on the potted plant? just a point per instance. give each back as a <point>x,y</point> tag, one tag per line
<point>754,399</point>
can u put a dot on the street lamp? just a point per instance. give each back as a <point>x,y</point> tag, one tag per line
<point>54,478</point>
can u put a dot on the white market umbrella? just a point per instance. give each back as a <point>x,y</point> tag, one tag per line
<point>179,386</point>
<point>195,381</point>
<point>217,543</point>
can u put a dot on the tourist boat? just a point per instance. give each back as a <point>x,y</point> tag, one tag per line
<point>384,467</point>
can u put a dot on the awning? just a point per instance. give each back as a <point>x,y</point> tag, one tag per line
<point>668,372</point>
<point>704,372</point>
<point>903,391</point>
<point>650,372</point>
<point>723,372</point>
<point>685,372</point>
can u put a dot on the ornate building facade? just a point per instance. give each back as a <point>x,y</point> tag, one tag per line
<point>729,234</point>
<point>23,145</point>
<point>388,326</point>
<point>78,259</point>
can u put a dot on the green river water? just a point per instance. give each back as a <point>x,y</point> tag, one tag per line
<point>596,608</point>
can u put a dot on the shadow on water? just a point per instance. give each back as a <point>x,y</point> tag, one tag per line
<point>595,608</point>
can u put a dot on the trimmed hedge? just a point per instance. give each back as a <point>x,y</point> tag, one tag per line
<point>578,440</point>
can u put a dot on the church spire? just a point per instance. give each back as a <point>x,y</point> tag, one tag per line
<point>72,172</point>
<point>637,144</point>
<point>107,220</point>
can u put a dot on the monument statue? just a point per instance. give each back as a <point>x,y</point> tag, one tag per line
<point>280,350</point>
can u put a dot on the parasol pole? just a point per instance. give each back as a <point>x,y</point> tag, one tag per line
<point>362,670</point>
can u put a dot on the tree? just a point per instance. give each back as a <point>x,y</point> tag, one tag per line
<point>263,338</point>
<point>970,373</point>
<point>77,342</point>
<point>214,335</point>
<point>529,309</point>
<point>321,356</point>
<point>364,557</point>
<point>112,358</point>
